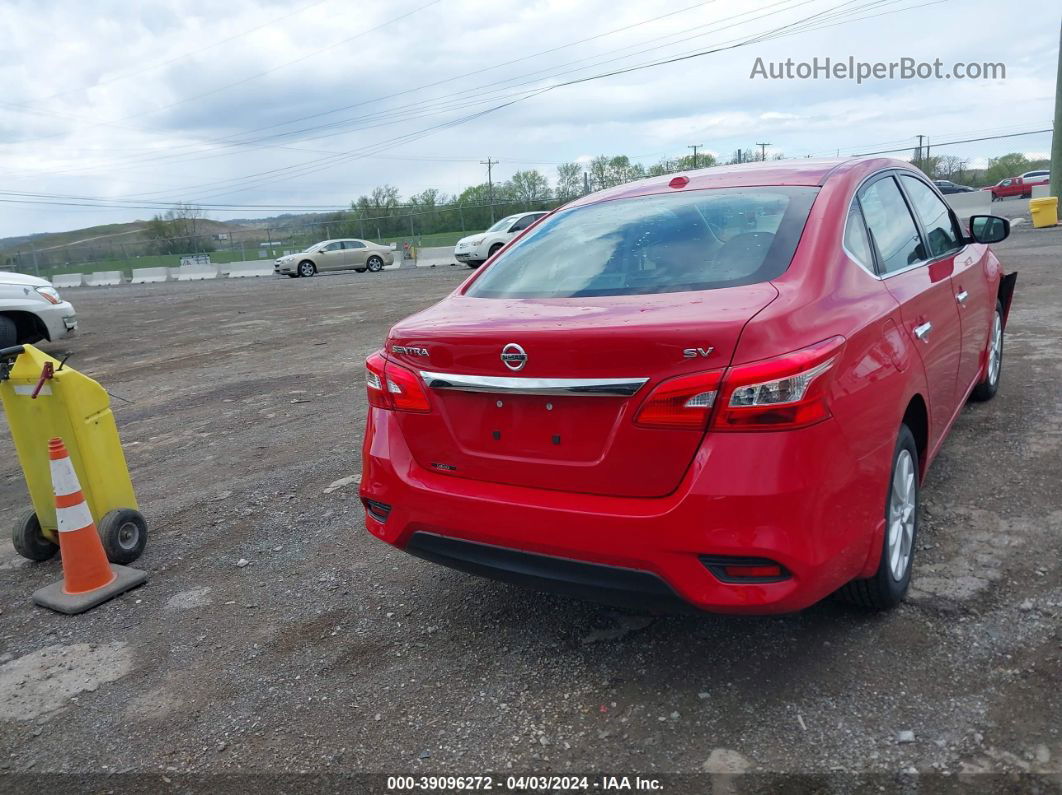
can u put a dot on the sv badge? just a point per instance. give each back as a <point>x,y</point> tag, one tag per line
<point>693,353</point>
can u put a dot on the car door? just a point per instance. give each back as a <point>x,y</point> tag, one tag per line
<point>355,253</point>
<point>970,280</point>
<point>331,257</point>
<point>922,287</point>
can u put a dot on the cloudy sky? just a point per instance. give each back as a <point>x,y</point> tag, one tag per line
<point>287,104</point>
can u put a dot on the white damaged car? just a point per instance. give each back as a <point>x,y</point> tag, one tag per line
<point>32,310</point>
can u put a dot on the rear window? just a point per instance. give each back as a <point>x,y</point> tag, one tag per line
<point>695,240</point>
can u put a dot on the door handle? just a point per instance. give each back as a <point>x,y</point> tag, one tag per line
<point>923,331</point>
<point>961,297</point>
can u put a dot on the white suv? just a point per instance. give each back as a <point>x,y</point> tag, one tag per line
<point>32,310</point>
<point>474,250</point>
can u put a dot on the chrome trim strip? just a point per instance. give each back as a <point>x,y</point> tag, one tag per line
<point>586,387</point>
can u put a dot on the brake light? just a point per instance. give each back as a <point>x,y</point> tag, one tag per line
<point>393,387</point>
<point>782,393</point>
<point>683,402</point>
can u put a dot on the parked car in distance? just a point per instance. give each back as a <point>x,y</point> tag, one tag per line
<point>336,255</point>
<point>1030,175</point>
<point>717,391</point>
<point>946,186</point>
<point>474,250</point>
<point>32,310</point>
<point>1015,186</point>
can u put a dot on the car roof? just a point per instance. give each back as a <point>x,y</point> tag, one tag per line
<point>808,172</point>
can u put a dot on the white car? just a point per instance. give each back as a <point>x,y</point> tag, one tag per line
<point>31,310</point>
<point>474,250</point>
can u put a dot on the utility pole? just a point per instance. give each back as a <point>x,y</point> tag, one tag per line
<point>695,147</point>
<point>763,150</point>
<point>1056,137</point>
<point>490,164</point>
<point>920,137</point>
<point>586,183</point>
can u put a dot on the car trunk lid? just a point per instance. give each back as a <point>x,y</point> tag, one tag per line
<point>484,426</point>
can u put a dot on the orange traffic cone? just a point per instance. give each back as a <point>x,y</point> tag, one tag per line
<point>88,579</point>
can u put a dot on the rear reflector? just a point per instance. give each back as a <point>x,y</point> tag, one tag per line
<point>377,510</point>
<point>744,570</point>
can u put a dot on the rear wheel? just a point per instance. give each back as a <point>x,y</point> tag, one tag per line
<point>986,390</point>
<point>890,583</point>
<point>29,540</point>
<point>123,532</point>
<point>8,332</point>
<point>374,264</point>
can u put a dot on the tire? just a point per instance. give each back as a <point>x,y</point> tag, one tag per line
<point>494,249</point>
<point>123,532</point>
<point>359,270</point>
<point>374,264</point>
<point>29,541</point>
<point>474,263</point>
<point>889,584</point>
<point>293,276</point>
<point>8,332</point>
<point>986,390</point>
<point>306,268</point>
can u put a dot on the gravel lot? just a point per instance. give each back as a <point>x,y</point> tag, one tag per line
<point>329,651</point>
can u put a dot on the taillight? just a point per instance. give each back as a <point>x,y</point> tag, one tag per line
<point>376,382</point>
<point>683,402</point>
<point>391,386</point>
<point>782,393</point>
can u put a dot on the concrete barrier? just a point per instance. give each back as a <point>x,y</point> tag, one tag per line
<point>194,273</point>
<point>437,262</point>
<point>977,202</point>
<point>68,280</point>
<point>103,278</point>
<point>241,270</point>
<point>150,275</point>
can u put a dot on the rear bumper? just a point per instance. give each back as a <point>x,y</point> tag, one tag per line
<point>796,498</point>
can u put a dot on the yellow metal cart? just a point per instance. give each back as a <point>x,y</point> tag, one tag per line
<point>43,398</point>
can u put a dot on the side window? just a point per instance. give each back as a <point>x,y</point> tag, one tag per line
<point>941,235</point>
<point>523,223</point>
<point>332,247</point>
<point>891,226</point>
<point>855,238</point>
<point>353,244</point>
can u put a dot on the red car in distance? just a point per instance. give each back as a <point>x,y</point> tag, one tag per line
<point>718,391</point>
<point>1016,186</point>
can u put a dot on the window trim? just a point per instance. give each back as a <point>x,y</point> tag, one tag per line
<point>876,273</point>
<point>918,220</point>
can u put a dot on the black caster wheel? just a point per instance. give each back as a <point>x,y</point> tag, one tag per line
<point>30,541</point>
<point>123,532</point>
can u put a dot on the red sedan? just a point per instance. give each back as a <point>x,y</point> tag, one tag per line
<point>719,391</point>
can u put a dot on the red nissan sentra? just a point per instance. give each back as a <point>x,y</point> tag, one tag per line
<point>719,391</point>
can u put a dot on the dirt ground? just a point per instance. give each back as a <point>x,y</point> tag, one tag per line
<point>242,411</point>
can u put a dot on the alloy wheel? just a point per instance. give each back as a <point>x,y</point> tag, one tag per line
<point>902,506</point>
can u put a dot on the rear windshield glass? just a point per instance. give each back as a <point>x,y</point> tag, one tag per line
<point>695,240</point>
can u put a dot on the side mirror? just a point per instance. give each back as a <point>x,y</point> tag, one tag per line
<point>988,228</point>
